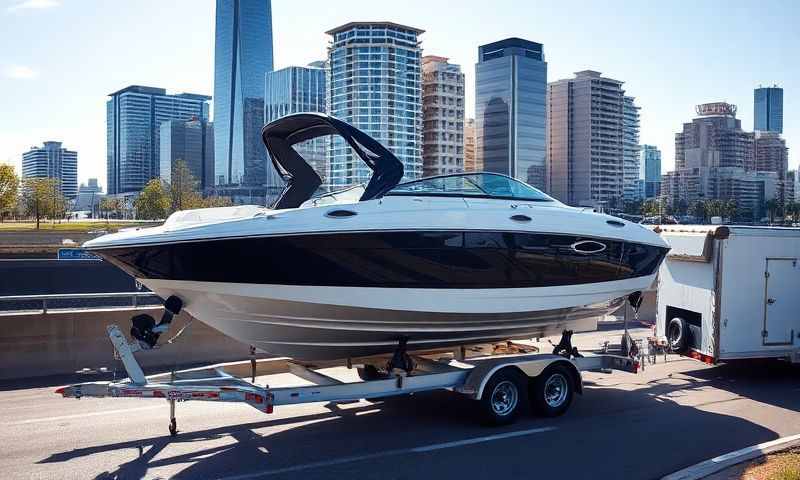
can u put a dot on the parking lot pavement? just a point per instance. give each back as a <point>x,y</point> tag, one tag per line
<point>624,426</point>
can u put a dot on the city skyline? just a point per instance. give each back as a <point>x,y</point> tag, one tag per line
<point>29,65</point>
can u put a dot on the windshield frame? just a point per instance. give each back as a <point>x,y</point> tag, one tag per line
<point>485,195</point>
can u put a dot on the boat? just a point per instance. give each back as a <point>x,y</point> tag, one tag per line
<point>443,261</point>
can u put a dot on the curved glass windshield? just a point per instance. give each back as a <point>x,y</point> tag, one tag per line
<point>480,185</point>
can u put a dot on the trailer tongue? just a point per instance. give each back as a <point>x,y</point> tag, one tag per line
<point>503,384</point>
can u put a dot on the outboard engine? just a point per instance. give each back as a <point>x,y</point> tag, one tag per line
<point>144,328</point>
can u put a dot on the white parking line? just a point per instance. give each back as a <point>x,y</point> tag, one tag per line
<point>389,453</point>
<point>80,415</point>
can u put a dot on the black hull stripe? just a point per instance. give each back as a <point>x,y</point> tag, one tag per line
<point>397,259</point>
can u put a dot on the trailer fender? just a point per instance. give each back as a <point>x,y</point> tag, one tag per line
<point>477,379</point>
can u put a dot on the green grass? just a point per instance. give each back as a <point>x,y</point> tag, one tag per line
<point>72,226</point>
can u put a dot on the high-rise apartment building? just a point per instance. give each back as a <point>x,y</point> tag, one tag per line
<point>630,150</point>
<point>651,170</point>
<point>586,139</point>
<point>375,85</point>
<point>510,91</point>
<point>768,109</point>
<point>295,90</point>
<point>715,160</point>
<point>53,161</point>
<point>442,116</point>
<point>771,155</point>
<point>133,124</point>
<point>242,57</point>
<point>470,160</point>
<point>191,142</point>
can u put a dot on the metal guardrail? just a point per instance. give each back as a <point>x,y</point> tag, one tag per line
<point>133,296</point>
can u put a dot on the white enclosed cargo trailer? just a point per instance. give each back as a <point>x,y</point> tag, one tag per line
<point>730,292</point>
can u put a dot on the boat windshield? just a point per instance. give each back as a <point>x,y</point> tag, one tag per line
<point>479,185</point>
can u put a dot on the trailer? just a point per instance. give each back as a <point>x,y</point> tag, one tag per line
<point>730,292</point>
<point>503,384</point>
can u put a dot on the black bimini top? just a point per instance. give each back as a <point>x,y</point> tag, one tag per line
<point>302,181</point>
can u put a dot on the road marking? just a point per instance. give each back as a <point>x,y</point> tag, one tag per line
<point>80,415</point>
<point>390,453</point>
<point>488,438</point>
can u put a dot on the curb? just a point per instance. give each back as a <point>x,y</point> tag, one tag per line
<point>714,465</point>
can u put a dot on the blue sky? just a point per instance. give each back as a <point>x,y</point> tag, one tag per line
<point>60,58</point>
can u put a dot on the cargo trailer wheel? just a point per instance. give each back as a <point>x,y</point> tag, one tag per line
<point>676,334</point>
<point>552,391</point>
<point>504,396</point>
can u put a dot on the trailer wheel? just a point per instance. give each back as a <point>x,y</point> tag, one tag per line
<point>552,391</point>
<point>676,334</point>
<point>504,396</point>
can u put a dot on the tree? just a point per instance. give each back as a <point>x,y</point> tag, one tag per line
<point>650,208</point>
<point>111,205</point>
<point>8,189</point>
<point>793,209</point>
<point>153,202</point>
<point>41,197</point>
<point>730,209</point>
<point>183,188</point>
<point>771,206</point>
<point>699,210</point>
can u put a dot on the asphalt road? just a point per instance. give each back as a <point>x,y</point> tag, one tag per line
<point>624,426</point>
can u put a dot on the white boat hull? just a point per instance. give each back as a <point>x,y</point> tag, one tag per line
<point>316,323</point>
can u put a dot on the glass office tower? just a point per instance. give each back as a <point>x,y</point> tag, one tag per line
<point>133,124</point>
<point>375,85</point>
<point>510,91</point>
<point>768,109</point>
<point>242,56</point>
<point>651,170</point>
<point>53,161</point>
<point>295,90</point>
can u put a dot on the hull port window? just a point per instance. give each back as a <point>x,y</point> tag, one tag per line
<point>588,247</point>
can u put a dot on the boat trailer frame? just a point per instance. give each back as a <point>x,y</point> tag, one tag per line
<point>226,382</point>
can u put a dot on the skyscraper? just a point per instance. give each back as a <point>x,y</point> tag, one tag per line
<point>470,162</point>
<point>768,109</point>
<point>443,116</point>
<point>133,120</point>
<point>53,161</point>
<point>630,149</point>
<point>586,139</point>
<point>242,56</point>
<point>510,91</point>
<point>295,90</point>
<point>192,142</point>
<point>375,85</point>
<point>651,170</point>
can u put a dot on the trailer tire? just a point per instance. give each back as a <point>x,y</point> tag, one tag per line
<point>677,331</point>
<point>504,397</point>
<point>552,391</point>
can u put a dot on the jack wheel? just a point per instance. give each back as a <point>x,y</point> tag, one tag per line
<point>173,428</point>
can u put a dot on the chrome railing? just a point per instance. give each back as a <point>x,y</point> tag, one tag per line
<point>44,299</point>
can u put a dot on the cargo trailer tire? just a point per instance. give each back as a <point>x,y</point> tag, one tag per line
<point>677,330</point>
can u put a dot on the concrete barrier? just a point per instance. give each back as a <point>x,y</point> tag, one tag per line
<point>62,342</point>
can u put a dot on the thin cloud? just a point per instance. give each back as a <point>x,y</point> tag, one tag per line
<point>33,5</point>
<point>21,72</point>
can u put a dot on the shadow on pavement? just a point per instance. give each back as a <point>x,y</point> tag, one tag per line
<point>611,432</point>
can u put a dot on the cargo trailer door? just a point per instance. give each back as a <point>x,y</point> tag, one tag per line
<point>781,301</point>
